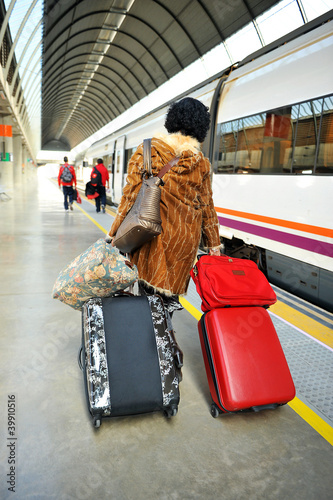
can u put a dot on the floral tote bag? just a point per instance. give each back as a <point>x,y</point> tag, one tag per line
<point>100,271</point>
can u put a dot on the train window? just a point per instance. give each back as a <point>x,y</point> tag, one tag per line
<point>128,155</point>
<point>324,163</point>
<point>306,137</point>
<point>108,162</point>
<point>250,142</point>
<point>277,141</point>
<point>255,144</point>
<point>227,151</point>
<point>294,139</point>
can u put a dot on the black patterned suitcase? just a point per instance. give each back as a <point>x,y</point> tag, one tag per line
<point>131,361</point>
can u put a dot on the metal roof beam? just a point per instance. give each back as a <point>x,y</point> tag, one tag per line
<point>88,79</point>
<point>146,49</point>
<point>87,97</point>
<point>46,77</point>
<point>22,26</point>
<point>49,85</point>
<point>112,29</point>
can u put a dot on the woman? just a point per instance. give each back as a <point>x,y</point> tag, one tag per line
<point>187,209</point>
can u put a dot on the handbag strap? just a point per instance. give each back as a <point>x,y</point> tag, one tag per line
<point>147,155</point>
<point>167,167</point>
<point>147,160</point>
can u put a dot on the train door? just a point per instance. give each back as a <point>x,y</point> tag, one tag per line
<point>108,161</point>
<point>112,173</point>
<point>119,168</point>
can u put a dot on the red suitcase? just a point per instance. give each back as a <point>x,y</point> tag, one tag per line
<point>223,281</point>
<point>245,364</point>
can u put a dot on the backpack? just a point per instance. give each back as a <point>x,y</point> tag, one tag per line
<point>96,177</point>
<point>66,175</point>
<point>90,191</point>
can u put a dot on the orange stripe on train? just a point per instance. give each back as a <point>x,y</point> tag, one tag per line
<point>307,228</point>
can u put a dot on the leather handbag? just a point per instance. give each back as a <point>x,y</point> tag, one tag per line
<point>100,271</point>
<point>143,221</point>
<point>223,281</point>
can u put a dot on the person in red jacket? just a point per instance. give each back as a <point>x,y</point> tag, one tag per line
<point>66,179</point>
<point>100,178</point>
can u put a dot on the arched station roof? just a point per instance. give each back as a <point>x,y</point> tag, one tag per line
<point>100,57</point>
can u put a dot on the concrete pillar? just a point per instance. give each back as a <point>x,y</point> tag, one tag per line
<point>17,159</point>
<point>6,159</point>
<point>28,168</point>
<point>25,164</point>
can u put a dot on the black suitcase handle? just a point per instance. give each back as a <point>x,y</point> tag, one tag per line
<point>176,351</point>
<point>79,358</point>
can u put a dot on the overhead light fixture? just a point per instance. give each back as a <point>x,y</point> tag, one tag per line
<point>109,27</point>
<point>115,10</point>
<point>95,64</point>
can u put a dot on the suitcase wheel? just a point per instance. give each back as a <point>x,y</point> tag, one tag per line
<point>214,411</point>
<point>170,412</point>
<point>97,422</point>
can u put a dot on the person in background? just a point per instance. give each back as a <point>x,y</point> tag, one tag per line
<point>187,208</point>
<point>66,179</point>
<point>100,178</point>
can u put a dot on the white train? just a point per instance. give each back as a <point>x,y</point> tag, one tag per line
<point>271,149</point>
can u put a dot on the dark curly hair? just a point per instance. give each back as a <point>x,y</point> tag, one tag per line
<point>189,117</point>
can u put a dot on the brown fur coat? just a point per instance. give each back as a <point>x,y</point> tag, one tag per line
<point>187,212</point>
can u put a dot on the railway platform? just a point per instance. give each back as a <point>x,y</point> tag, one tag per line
<point>57,453</point>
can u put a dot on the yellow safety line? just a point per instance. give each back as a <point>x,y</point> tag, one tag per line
<point>110,211</point>
<point>316,422</point>
<point>305,308</point>
<point>300,320</point>
<point>191,309</point>
<point>322,427</point>
<point>91,218</point>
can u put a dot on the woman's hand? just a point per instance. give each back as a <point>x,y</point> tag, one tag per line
<point>109,239</point>
<point>215,251</point>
